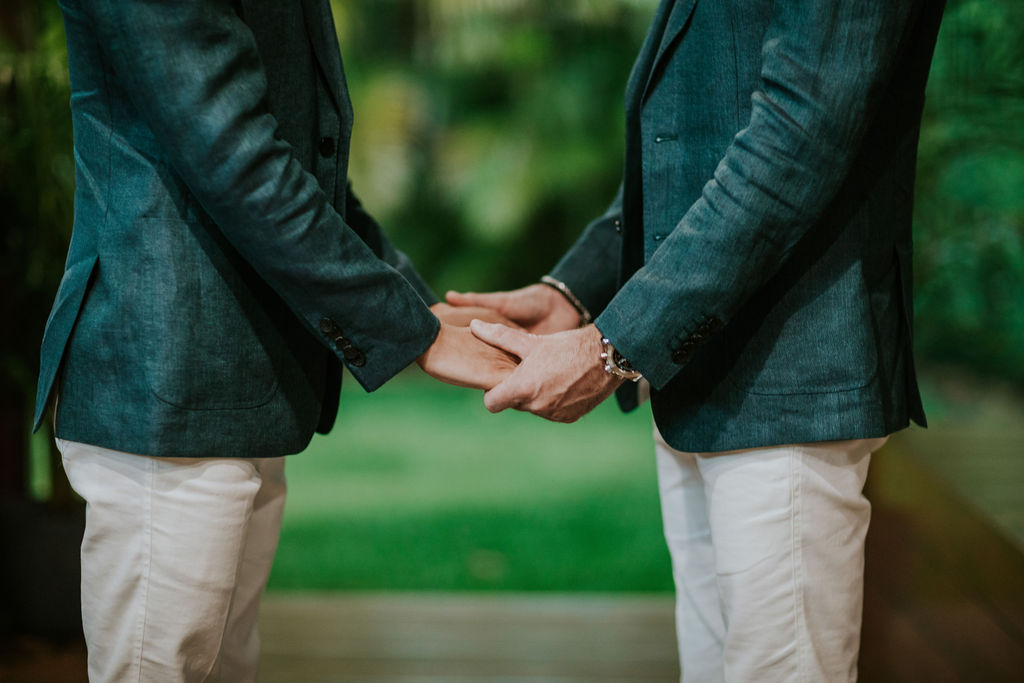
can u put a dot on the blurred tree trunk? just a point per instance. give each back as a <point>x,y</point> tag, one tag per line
<point>18,18</point>
<point>15,22</point>
<point>13,419</point>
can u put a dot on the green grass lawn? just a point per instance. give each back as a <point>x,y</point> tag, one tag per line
<point>419,487</point>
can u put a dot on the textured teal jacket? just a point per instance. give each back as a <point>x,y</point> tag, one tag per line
<point>756,264</point>
<point>220,269</point>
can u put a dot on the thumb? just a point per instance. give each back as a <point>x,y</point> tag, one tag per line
<point>516,342</point>
<point>486,300</point>
<point>503,395</point>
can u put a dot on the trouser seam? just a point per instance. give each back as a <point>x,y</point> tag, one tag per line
<point>147,550</point>
<point>796,517</point>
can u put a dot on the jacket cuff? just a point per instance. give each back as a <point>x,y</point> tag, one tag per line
<point>374,361</point>
<point>654,350</point>
<point>590,289</point>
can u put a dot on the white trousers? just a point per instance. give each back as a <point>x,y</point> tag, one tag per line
<point>176,554</point>
<point>767,550</point>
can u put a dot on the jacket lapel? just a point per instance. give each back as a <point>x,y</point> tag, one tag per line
<point>320,25</point>
<point>640,75</point>
<point>680,14</point>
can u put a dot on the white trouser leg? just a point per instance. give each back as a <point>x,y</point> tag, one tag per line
<point>175,557</point>
<point>700,629</point>
<point>786,526</point>
<point>240,651</point>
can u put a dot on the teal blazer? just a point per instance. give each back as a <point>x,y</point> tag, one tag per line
<point>221,270</point>
<point>756,264</point>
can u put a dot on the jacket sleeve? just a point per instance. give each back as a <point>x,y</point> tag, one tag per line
<point>824,69</point>
<point>591,266</point>
<point>194,74</point>
<point>371,233</point>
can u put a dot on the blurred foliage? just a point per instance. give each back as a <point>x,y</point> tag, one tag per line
<point>36,179</point>
<point>969,213</point>
<point>488,132</point>
<point>36,189</point>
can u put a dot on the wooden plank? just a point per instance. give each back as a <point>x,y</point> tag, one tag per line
<point>894,649</point>
<point>975,443</point>
<point>937,567</point>
<point>413,637</point>
<point>952,533</point>
<point>34,660</point>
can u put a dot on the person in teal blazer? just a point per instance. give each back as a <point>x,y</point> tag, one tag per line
<point>755,270</point>
<point>220,274</point>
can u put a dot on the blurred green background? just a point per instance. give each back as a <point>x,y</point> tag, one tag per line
<point>487,134</point>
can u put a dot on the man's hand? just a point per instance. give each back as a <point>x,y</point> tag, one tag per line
<point>461,316</point>
<point>560,377</point>
<point>457,357</point>
<point>537,308</point>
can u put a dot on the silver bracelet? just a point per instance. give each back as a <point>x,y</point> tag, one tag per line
<point>585,317</point>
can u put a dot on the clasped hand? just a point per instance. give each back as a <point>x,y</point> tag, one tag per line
<point>458,357</point>
<point>535,358</point>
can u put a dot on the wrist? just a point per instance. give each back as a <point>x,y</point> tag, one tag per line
<point>615,364</point>
<point>425,356</point>
<point>565,295</point>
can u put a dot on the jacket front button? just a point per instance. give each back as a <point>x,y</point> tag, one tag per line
<point>618,225</point>
<point>327,147</point>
